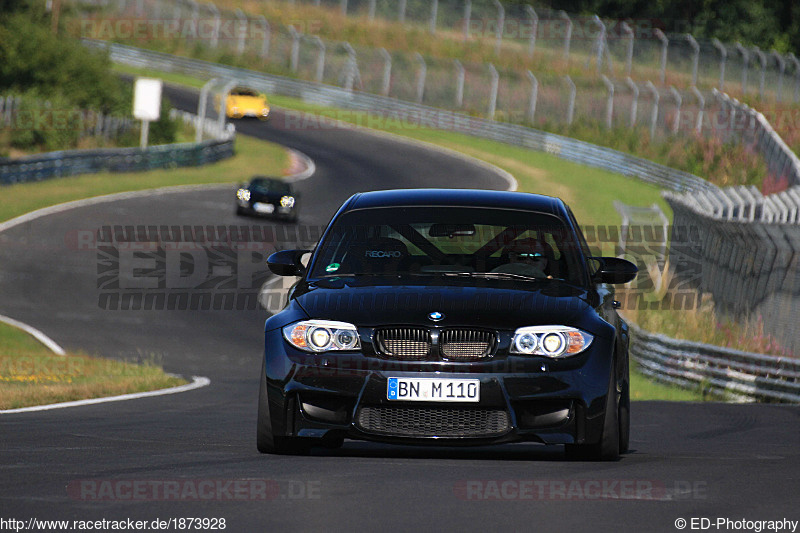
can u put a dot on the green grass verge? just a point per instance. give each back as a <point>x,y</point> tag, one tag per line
<point>252,156</point>
<point>30,374</point>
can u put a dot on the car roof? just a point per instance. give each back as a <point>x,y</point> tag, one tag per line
<point>457,198</point>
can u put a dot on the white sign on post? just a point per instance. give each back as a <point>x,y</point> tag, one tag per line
<point>146,104</point>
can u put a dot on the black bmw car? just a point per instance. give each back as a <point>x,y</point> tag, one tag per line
<point>453,317</point>
<point>267,197</point>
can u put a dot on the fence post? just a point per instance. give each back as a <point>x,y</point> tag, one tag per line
<point>352,65</point>
<point>401,12</point>
<point>781,69</point>
<point>678,104</point>
<point>387,72</point>
<point>320,71</point>
<point>267,35</point>
<point>745,64</point>
<point>294,52</point>
<point>664,44</point>
<point>567,34</point>
<point>695,56</point>
<point>609,102</point>
<point>344,7</point>
<point>534,96</point>
<point>762,58</point>
<point>217,21</point>
<point>634,101</point>
<point>434,16</point>
<point>534,29</point>
<point>371,10</point>
<point>796,64</point>
<point>701,101</point>
<point>459,83</point>
<point>654,111</point>
<point>501,22</point>
<point>629,53</point>
<point>201,109</point>
<point>571,104</point>
<point>723,56</point>
<point>223,104</point>
<point>242,31</point>
<point>600,42</point>
<point>467,18</point>
<point>493,91</point>
<point>421,74</point>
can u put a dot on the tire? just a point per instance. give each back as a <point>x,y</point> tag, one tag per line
<point>608,448</point>
<point>266,441</point>
<point>625,410</point>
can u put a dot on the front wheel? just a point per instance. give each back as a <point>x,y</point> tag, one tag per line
<point>266,441</point>
<point>609,447</point>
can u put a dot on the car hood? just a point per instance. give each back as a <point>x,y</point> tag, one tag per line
<point>496,304</point>
<point>247,102</point>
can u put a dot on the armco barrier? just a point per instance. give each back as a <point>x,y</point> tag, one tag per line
<point>742,375</point>
<point>73,162</point>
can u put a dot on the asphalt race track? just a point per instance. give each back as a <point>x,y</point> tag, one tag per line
<point>193,455</point>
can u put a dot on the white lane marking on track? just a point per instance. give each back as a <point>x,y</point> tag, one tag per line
<point>38,335</point>
<point>197,382</point>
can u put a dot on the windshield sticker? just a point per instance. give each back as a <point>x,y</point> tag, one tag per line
<point>333,267</point>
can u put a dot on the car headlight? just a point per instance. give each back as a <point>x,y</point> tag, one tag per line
<point>287,201</point>
<point>243,195</point>
<point>322,336</point>
<point>550,341</point>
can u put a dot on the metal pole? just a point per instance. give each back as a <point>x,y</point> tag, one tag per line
<point>571,104</point>
<point>534,96</point>
<point>267,34</point>
<point>600,44</point>
<point>501,22</point>
<point>201,109</point>
<point>781,69</point>
<point>762,58</point>
<point>634,101</point>
<point>350,73</point>
<point>344,7</point>
<point>654,112</point>
<point>294,52</point>
<point>678,104</point>
<point>215,32</point>
<point>567,35</point>
<point>534,29</point>
<point>746,61</point>
<point>387,72</point>
<point>459,83</point>
<point>629,53</point>
<point>467,17</point>
<point>493,92</point>
<point>723,56</point>
<point>371,11</point>
<point>434,15</point>
<point>609,102</point>
<point>401,12</point>
<point>421,74</point>
<point>144,133</point>
<point>702,103</point>
<point>664,44</point>
<point>242,31</point>
<point>796,64</point>
<point>320,70</point>
<point>695,56</point>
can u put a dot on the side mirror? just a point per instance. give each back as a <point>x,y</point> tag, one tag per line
<point>287,262</point>
<point>614,270</point>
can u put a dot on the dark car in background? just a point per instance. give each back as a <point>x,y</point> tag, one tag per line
<point>452,317</point>
<point>265,196</point>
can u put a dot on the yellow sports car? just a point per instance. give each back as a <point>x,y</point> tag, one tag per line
<point>245,102</point>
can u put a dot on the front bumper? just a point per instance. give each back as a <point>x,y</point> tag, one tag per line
<point>522,398</point>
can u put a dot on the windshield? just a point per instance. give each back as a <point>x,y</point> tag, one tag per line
<point>271,185</point>
<point>448,241</point>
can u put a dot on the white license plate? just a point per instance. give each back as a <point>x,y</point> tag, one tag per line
<point>433,390</point>
<point>263,208</point>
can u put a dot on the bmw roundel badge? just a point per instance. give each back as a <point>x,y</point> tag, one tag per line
<point>436,316</point>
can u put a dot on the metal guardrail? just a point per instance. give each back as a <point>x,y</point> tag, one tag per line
<point>72,162</point>
<point>744,376</point>
<point>392,109</point>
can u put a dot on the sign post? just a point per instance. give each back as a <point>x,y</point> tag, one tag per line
<point>146,104</point>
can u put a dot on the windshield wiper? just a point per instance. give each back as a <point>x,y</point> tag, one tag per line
<point>494,275</point>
